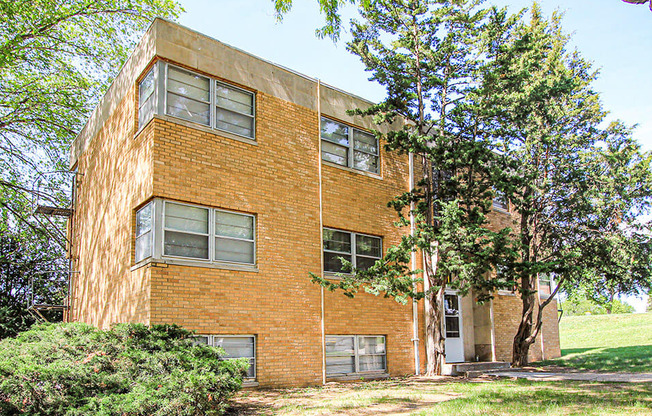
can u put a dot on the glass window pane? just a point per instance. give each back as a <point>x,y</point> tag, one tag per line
<point>237,251</point>
<point>340,365</point>
<point>337,240</point>
<point>144,220</point>
<point>185,245</point>
<point>334,132</point>
<point>363,263</point>
<point>450,305</point>
<point>146,111</point>
<point>182,107</point>
<point>371,363</point>
<point>452,327</point>
<point>186,218</point>
<point>365,142</point>
<point>371,345</point>
<point>188,84</point>
<point>229,224</point>
<point>365,161</point>
<point>340,345</point>
<point>146,87</point>
<point>200,339</point>
<point>368,246</point>
<point>234,122</point>
<point>234,99</point>
<point>334,153</point>
<point>332,262</point>
<point>143,246</point>
<point>236,347</point>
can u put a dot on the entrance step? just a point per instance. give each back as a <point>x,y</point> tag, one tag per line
<point>474,369</point>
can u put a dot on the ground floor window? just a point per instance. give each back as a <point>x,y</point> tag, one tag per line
<point>350,354</point>
<point>235,346</point>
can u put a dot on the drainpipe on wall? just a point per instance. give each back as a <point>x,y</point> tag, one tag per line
<point>413,258</point>
<point>321,236</point>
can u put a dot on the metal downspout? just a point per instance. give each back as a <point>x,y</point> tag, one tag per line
<point>321,235</point>
<point>413,258</point>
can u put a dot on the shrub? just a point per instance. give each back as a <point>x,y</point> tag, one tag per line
<point>76,369</point>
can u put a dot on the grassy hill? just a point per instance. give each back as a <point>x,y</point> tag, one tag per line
<point>606,342</point>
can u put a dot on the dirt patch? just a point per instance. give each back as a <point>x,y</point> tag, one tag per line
<point>391,397</point>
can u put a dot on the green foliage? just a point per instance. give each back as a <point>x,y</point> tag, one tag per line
<point>56,59</point>
<point>75,369</point>
<point>579,306</point>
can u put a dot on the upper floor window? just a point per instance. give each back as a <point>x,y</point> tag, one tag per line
<point>199,99</point>
<point>500,201</point>
<point>348,146</point>
<point>545,285</point>
<point>194,232</point>
<point>360,250</point>
<point>147,98</point>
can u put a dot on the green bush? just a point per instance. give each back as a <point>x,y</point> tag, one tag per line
<point>76,369</point>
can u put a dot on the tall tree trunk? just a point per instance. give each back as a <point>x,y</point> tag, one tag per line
<point>435,340</point>
<point>523,338</point>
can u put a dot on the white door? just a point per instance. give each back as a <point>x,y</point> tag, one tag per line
<point>453,326</point>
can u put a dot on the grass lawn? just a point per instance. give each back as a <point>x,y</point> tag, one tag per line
<point>450,396</point>
<point>606,343</point>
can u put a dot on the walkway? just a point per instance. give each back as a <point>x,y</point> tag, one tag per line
<point>585,376</point>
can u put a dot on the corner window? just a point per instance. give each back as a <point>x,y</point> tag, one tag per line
<point>144,232</point>
<point>174,230</point>
<point>234,346</point>
<point>184,94</point>
<point>359,249</point>
<point>147,98</point>
<point>351,354</point>
<point>348,146</point>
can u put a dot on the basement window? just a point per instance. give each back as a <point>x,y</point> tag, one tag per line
<point>234,346</point>
<point>359,249</point>
<point>353,354</point>
<point>348,146</point>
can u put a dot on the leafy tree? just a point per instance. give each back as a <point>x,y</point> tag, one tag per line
<point>578,305</point>
<point>577,189</point>
<point>425,53</point>
<point>638,2</point>
<point>130,370</point>
<point>56,59</point>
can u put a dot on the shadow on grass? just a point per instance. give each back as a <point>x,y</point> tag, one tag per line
<point>634,359</point>
<point>537,398</point>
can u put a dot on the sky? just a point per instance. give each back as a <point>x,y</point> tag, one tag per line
<point>615,36</point>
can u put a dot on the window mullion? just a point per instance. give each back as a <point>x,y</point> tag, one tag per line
<point>351,147</point>
<point>356,353</point>
<point>354,243</point>
<point>211,233</point>
<point>212,102</point>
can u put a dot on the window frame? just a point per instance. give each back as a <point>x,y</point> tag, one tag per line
<point>350,159</point>
<point>212,102</point>
<point>154,96</point>
<point>353,253</point>
<point>158,237</point>
<point>550,279</point>
<point>211,343</point>
<point>357,355</point>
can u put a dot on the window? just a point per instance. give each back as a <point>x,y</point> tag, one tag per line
<point>144,232</point>
<point>234,346</point>
<point>174,230</point>
<point>147,98</point>
<point>185,231</point>
<point>359,249</point>
<point>196,98</point>
<point>452,316</point>
<point>500,201</point>
<point>545,285</point>
<point>188,96</point>
<point>348,146</point>
<point>350,354</point>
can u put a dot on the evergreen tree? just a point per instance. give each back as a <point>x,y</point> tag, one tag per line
<point>577,189</point>
<point>427,55</point>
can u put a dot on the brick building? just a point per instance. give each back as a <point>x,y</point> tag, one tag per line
<point>212,182</point>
